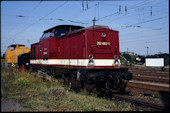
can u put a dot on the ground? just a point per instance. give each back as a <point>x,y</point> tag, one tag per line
<point>9,105</point>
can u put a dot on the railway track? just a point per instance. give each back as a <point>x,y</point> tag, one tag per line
<point>143,87</point>
<point>147,86</point>
<point>136,87</point>
<point>148,80</point>
<point>140,102</point>
<point>151,79</point>
<point>152,74</point>
<point>151,69</point>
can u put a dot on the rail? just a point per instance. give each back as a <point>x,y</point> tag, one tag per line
<point>154,106</point>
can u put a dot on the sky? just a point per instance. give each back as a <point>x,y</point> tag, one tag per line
<point>141,24</point>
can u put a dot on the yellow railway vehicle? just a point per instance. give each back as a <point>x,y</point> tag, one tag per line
<point>11,54</point>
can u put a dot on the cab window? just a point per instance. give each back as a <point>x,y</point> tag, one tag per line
<point>12,47</point>
<point>59,32</point>
<point>48,34</point>
<point>42,36</point>
<point>45,35</point>
<point>52,34</point>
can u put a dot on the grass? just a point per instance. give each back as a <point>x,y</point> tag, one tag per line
<point>39,95</point>
<point>2,60</point>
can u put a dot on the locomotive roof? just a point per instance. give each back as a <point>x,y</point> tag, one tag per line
<point>64,27</point>
<point>96,27</point>
<point>15,45</point>
<point>90,28</point>
<point>35,43</point>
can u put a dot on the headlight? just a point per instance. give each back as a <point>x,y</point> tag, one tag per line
<point>90,56</point>
<point>103,35</point>
<point>91,62</point>
<point>116,62</point>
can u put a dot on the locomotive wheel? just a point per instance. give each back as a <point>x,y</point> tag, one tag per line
<point>85,91</point>
<point>100,88</point>
<point>122,88</point>
<point>86,88</point>
<point>69,84</point>
<point>109,94</point>
<point>65,79</point>
<point>73,85</point>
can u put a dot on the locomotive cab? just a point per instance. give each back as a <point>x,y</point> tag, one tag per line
<point>103,47</point>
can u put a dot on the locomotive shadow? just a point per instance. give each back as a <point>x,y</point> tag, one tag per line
<point>165,99</point>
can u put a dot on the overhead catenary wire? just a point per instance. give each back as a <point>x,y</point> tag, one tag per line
<point>132,7</point>
<point>33,23</point>
<point>127,16</point>
<point>78,14</point>
<point>143,40</point>
<point>29,13</point>
<point>118,17</point>
<point>136,32</point>
<point>71,18</point>
<point>37,20</point>
<point>146,21</point>
<point>129,8</point>
<point>17,25</point>
<point>143,43</point>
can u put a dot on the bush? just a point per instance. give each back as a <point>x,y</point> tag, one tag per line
<point>23,83</point>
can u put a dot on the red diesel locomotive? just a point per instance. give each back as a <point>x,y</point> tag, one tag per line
<point>86,57</point>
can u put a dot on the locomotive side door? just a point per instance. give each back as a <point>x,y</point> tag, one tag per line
<point>80,55</point>
<point>44,48</point>
<point>40,50</point>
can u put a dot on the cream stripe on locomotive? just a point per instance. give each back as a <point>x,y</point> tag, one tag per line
<point>74,62</point>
